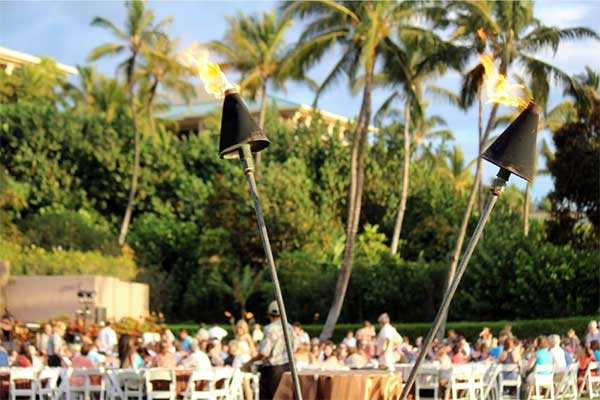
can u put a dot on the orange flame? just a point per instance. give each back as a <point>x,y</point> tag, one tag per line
<point>481,33</point>
<point>215,81</point>
<point>498,90</point>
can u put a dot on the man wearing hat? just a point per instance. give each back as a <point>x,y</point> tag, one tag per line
<point>272,353</point>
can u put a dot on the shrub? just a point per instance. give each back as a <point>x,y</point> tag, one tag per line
<point>33,260</point>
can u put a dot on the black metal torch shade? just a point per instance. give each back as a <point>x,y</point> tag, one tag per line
<point>514,150</point>
<point>238,128</point>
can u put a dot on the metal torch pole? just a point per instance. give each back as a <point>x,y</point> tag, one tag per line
<point>497,188</point>
<point>248,162</point>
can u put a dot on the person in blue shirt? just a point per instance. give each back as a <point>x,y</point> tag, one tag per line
<point>3,357</point>
<point>595,347</point>
<point>541,358</point>
<point>185,340</point>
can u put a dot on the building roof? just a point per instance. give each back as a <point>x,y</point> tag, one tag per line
<point>19,58</point>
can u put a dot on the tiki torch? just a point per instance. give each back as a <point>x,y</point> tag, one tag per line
<point>240,137</point>
<point>514,153</point>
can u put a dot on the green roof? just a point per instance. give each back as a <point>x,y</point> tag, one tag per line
<point>181,111</point>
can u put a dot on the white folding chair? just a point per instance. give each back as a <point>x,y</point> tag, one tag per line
<point>460,382</point>
<point>156,376</point>
<point>236,390</point>
<point>22,383</point>
<point>130,383</point>
<point>567,387</point>
<point>113,391</point>
<point>93,383</point>
<point>428,378</point>
<point>589,380</point>
<point>543,378</point>
<point>201,385</point>
<point>510,378</point>
<point>254,383</point>
<point>47,383</point>
<point>222,380</point>
<point>479,372</point>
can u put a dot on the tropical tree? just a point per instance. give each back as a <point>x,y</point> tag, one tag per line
<point>512,34</point>
<point>255,46</point>
<point>363,31</point>
<point>453,168</point>
<point>140,31</point>
<point>161,66</point>
<point>420,55</point>
<point>99,93</point>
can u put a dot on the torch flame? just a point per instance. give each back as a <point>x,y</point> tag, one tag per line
<point>498,90</point>
<point>481,33</point>
<point>215,81</point>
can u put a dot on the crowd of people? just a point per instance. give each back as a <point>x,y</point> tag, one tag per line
<point>58,344</point>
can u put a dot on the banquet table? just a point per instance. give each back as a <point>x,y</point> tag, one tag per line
<point>350,385</point>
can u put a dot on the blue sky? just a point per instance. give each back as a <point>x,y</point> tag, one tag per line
<point>61,29</point>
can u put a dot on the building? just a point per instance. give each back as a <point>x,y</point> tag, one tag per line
<point>11,59</point>
<point>190,117</point>
<point>42,297</point>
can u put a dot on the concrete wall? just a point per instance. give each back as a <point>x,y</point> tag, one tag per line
<point>35,298</point>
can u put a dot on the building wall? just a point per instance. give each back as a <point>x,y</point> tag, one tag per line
<point>36,298</point>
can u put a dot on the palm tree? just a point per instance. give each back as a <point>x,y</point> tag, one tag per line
<point>255,46</point>
<point>139,32</point>
<point>161,67</point>
<point>100,93</point>
<point>454,169</point>
<point>420,55</point>
<point>513,34</point>
<point>362,30</point>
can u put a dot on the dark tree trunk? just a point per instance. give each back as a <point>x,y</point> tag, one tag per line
<point>357,176</point>
<point>136,155</point>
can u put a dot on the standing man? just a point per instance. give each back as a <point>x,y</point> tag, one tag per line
<point>108,339</point>
<point>387,342</point>
<point>273,353</point>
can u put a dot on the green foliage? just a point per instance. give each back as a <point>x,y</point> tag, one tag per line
<point>66,161</point>
<point>70,230</point>
<point>33,260</point>
<point>576,172</point>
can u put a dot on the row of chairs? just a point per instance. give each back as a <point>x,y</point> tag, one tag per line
<point>101,384</point>
<point>480,381</point>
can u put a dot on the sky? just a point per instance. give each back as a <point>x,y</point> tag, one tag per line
<point>62,30</point>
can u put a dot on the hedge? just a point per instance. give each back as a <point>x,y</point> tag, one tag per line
<point>522,328</point>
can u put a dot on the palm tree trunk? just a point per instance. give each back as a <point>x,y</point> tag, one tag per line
<point>526,210</point>
<point>261,123</point>
<point>481,145</point>
<point>467,215</point>
<point>357,176</point>
<point>150,103</point>
<point>405,175</point>
<point>136,157</point>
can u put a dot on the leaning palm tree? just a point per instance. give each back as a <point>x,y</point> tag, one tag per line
<point>362,30</point>
<point>255,46</point>
<point>139,31</point>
